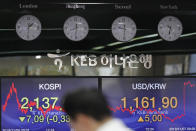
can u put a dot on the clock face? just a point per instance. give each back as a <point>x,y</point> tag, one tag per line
<point>124,28</point>
<point>28,27</point>
<point>76,28</point>
<point>170,28</point>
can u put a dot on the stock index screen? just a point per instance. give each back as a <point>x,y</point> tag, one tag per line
<point>33,104</point>
<point>148,104</point>
<point>143,103</point>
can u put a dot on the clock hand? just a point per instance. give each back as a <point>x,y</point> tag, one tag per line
<point>120,28</point>
<point>76,31</point>
<point>28,28</point>
<point>124,31</point>
<point>123,28</point>
<point>169,29</point>
<point>73,29</point>
<point>30,25</point>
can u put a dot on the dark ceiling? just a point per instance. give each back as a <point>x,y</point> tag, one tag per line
<point>100,15</point>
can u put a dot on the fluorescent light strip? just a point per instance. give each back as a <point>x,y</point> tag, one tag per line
<point>53,29</point>
<point>137,38</point>
<point>42,29</point>
<point>98,29</point>
<point>7,29</point>
<point>140,44</point>
<point>118,43</point>
<point>151,42</point>
<point>189,34</point>
<point>98,47</point>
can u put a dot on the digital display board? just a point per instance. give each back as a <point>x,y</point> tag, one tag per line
<point>33,104</point>
<point>143,103</point>
<point>148,104</point>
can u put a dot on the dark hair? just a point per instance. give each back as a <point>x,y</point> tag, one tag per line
<point>86,101</point>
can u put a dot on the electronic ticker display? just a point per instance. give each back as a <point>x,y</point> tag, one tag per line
<point>33,104</point>
<point>143,103</point>
<point>148,104</point>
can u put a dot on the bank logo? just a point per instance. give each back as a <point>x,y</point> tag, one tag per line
<point>126,61</point>
<point>58,62</point>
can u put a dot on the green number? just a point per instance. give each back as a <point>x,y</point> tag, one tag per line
<point>41,118</point>
<point>28,118</point>
<point>63,118</point>
<point>46,100</point>
<point>24,106</point>
<point>55,100</point>
<point>36,118</point>
<point>37,102</point>
<point>55,118</point>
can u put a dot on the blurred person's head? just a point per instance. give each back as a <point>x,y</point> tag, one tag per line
<point>87,109</point>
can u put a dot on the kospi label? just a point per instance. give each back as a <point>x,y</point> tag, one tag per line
<point>49,86</point>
